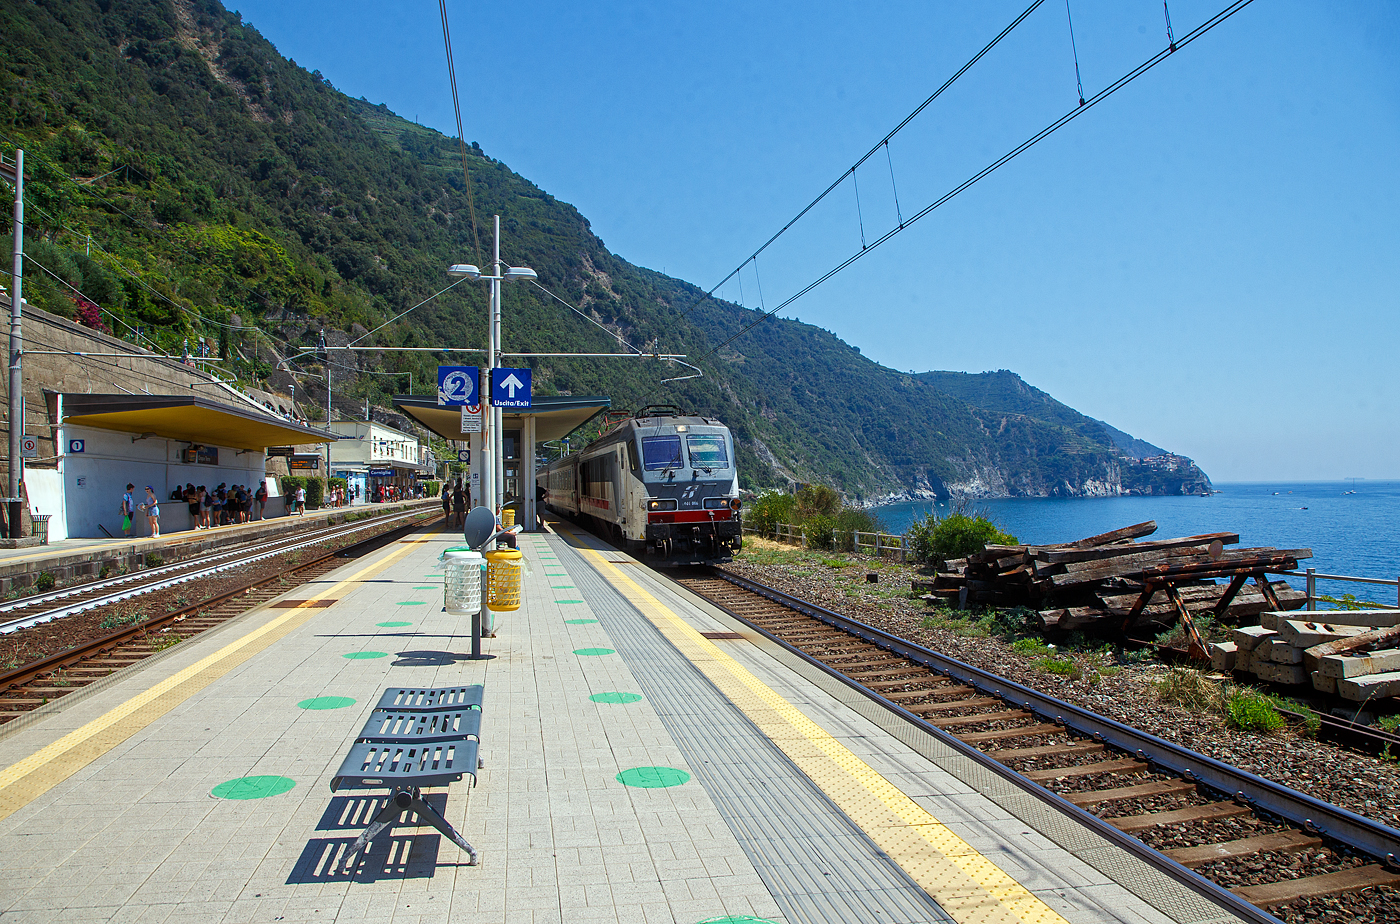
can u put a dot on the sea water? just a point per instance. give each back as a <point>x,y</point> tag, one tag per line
<point>1353,528</point>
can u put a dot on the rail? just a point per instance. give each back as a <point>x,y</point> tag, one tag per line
<point>1312,575</point>
<point>843,540</point>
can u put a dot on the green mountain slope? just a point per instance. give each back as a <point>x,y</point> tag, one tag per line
<point>192,184</point>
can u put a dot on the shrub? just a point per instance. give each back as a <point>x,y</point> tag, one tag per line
<point>44,581</point>
<point>433,488</point>
<point>817,500</point>
<point>768,510</point>
<point>957,534</point>
<point>818,529</point>
<point>315,492</point>
<point>153,560</point>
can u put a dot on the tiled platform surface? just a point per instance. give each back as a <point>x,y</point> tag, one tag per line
<point>135,834</point>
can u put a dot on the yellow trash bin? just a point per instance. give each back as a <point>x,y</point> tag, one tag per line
<point>507,517</point>
<point>503,580</point>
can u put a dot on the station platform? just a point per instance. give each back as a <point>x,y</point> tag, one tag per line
<point>635,770</point>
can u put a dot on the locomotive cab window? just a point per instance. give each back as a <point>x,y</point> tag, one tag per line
<point>660,452</point>
<point>632,455</point>
<point>707,450</point>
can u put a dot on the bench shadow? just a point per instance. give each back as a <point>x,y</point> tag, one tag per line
<point>395,854</point>
<point>430,658</point>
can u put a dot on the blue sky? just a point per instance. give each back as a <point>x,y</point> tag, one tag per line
<point>1207,260</point>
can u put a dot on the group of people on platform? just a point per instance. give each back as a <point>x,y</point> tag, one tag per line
<point>224,505</point>
<point>230,506</point>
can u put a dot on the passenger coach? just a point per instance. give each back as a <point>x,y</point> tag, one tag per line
<point>660,482</point>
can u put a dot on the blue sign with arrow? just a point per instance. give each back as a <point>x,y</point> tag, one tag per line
<point>457,385</point>
<point>510,387</point>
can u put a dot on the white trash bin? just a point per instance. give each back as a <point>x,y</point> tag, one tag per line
<point>466,571</point>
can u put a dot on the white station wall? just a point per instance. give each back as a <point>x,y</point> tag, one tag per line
<point>95,479</point>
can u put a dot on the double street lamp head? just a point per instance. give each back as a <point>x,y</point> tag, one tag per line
<point>468,271</point>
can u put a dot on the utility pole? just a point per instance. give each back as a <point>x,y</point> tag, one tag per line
<point>326,365</point>
<point>16,349</point>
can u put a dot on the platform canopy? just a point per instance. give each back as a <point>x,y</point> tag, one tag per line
<point>189,418</point>
<point>556,416</point>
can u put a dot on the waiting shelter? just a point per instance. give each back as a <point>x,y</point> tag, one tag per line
<point>105,442</point>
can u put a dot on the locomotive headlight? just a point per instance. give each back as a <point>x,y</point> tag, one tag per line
<point>661,505</point>
<point>735,504</point>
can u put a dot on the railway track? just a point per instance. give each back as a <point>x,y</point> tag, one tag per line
<point>42,681</point>
<point>40,608</point>
<point>1180,810</point>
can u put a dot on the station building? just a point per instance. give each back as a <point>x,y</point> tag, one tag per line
<point>370,455</point>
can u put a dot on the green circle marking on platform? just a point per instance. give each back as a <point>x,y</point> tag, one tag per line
<point>326,702</point>
<point>393,624</point>
<point>587,652</point>
<point>413,603</point>
<point>616,697</point>
<point>578,622</point>
<point>365,655</point>
<point>254,787</point>
<point>652,777</point>
<point>568,601</point>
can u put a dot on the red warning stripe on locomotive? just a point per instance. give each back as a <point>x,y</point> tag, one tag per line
<point>690,516</point>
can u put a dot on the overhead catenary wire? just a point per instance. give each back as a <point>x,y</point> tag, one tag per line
<point>461,136</point>
<point>868,154</point>
<point>1079,84</point>
<point>1015,152</point>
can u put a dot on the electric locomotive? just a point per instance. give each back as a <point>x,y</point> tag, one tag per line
<point>660,482</point>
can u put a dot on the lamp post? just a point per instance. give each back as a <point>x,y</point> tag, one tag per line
<point>491,437</point>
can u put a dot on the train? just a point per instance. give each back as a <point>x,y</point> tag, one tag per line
<point>659,482</point>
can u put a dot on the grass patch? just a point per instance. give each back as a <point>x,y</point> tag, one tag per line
<point>1062,667</point>
<point>164,640</point>
<point>1191,690</point>
<point>837,563</point>
<point>1388,723</point>
<point>117,620</point>
<point>1251,711</point>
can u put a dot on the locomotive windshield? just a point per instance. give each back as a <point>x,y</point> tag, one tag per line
<point>707,450</point>
<point>660,452</point>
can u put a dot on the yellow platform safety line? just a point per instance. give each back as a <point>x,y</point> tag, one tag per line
<point>31,777</point>
<point>967,885</point>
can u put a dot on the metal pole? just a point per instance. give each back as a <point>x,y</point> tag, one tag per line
<point>1312,588</point>
<point>16,352</point>
<point>497,448</point>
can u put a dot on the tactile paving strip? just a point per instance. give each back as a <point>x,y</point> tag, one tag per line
<point>817,864</point>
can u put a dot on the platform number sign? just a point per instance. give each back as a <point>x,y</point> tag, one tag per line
<point>77,446</point>
<point>457,386</point>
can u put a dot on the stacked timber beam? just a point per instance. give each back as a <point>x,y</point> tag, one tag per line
<point>1113,581</point>
<point>1353,653</point>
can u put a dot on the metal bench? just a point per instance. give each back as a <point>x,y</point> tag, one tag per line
<point>415,737</point>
